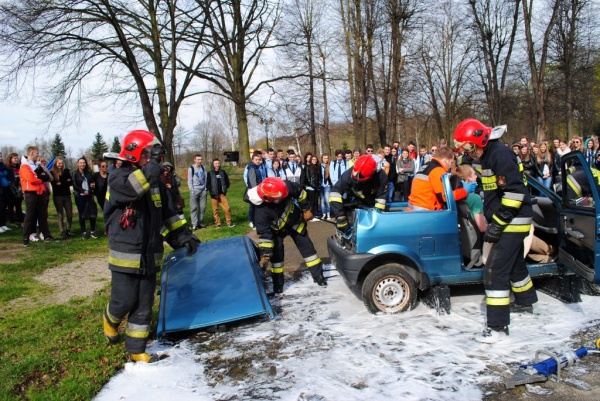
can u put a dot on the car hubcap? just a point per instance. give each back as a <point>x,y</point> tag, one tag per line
<point>391,292</point>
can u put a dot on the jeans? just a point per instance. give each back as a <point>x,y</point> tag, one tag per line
<point>197,201</point>
<point>390,195</point>
<point>325,208</point>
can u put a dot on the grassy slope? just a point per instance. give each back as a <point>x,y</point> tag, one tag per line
<point>58,352</point>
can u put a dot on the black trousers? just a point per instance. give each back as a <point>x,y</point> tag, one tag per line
<point>506,272</point>
<point>36,212</point>
<point>132,294</point>
<point>303,243</point>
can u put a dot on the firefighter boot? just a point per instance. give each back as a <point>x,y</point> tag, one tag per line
<point>144,357</point>
<point>317,275</point>
<point>111,333</point>
<point>278,281</point>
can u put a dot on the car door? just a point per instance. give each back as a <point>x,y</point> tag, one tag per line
<point>579,245</point>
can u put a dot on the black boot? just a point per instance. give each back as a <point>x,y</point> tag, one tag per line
<point>278,281</point>
<point>317,275</point>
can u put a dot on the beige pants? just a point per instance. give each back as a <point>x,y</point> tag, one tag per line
<point>222,200</point>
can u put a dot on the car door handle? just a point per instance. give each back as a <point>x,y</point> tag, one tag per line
<point>573,233</point>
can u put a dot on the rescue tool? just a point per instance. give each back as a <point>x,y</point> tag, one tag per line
<point>541,370</point>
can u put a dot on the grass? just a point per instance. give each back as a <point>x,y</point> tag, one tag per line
<point>58,352</point>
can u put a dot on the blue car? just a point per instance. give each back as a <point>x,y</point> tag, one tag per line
<point>390,255</point>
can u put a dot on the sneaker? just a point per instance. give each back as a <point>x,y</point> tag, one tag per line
<point>85,235</point>
<point>251,225</point>
<point>93,234</point>
<point>5,228</point>
<point>218,226</point>
<point>2,230</point>
<point>26,242</point>
<point>492,335</point>
<point>50,239</point>
<point>201,226</point>
<point>33,238</point>
<point>64,235</point>
<point>70,233</point>
<point>230,225</point>
<point>41,237</point>
<point>315,219</point>
<point>518,308</point>
<point>194,228</point>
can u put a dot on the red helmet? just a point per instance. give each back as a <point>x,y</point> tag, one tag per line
<point>134,143</point>
<point>471,132</point>
<point>364,168</point>
<point>272,189</point>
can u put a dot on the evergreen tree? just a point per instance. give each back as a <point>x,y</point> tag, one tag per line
<point>58,147</point>
<point>116,145</point>
<point>99,147</point>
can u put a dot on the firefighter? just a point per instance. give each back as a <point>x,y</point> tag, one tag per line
<point>578,185</point>
<point>277,215</point>
<point>507,208</point>
<point>427,190</point>
<point>138,217</point>
<point>360,185</point>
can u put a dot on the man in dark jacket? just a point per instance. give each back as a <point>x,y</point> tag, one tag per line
<point>138,217</point>
<point>277,216</point>
<point>217,183</point>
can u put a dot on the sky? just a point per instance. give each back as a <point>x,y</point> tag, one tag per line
<point>324,345</point>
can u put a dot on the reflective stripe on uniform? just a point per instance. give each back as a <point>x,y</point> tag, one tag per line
<point>107,196</point>
<point>513,200</point>
<point>312,260</point>
<point>489,181</point>
<point>138,181</point>
<point>421,176</point>
<point>499,220</point>
<point>523,285</point>
<point>574,185</point>
<point>175,225</point>
<point>335,197</point>
<point>110,317</point>
<point>300,227</point>
<point>137,330</point>
<point>519,225</point>
<point>265,243</point>
<point>284,216</point>
<point>380,204</point>
<point>277,267</point>
<point>155,196</point>
<point>122,259</point>
<point>497,297</point>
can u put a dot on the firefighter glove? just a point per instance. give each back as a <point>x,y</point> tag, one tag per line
<point>152,171</point>
<point>469,186</point>
<point>264,261</point>
<point>307,214</point>
<point>493,233</point>
<point>157,152</point>
<point>191,245</point>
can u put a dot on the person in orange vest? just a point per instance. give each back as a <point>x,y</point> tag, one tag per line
<point>427,190</point>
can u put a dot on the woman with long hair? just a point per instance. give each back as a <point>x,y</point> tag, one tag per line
<point>101,183</point>
<point>61,195</point>
<point>544,164</point>
<point>312,183</point>
<point>527,161</point>
<point>83,189</point>
<point>15,198</point>
<point>276,170</point>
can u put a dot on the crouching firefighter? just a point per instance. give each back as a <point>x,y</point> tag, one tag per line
<point>276,216</point>
<point>138,217</point>
<point>507,208</point>
<point>362,185</point>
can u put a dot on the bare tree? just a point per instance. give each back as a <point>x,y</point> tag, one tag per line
<point>495,22</point>
<point>445,59</point>
<point>537,62</point>
<point>239,32</point>
<point>131,48</point>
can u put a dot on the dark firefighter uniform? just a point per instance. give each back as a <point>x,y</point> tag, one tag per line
<point>578,184</point>
<point>372,193</point>
<point>427,190</point>
<point>275,221</point>
<point>135,214</point>
<point>507,204</point>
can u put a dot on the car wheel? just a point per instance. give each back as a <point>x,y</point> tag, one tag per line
<point>389,289</point>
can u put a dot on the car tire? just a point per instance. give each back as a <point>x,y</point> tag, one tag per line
<point>389,289</point>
